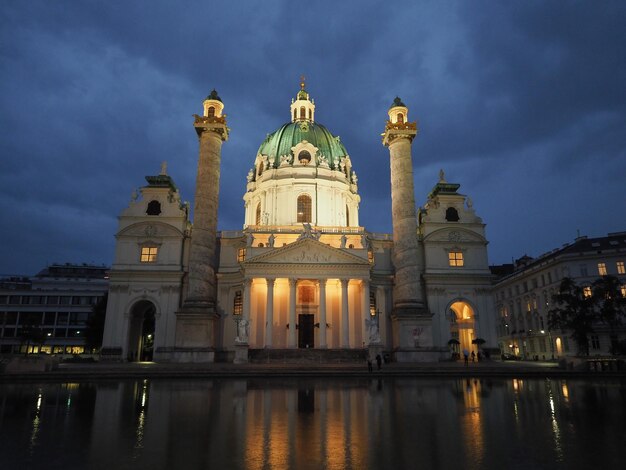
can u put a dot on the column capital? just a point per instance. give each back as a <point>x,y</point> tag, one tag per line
<point>344,282</point>
<point>270,280</point>
<point>395,131</point>
<point>211,125</point>
<point>293,281</point>
<point>247,281</point>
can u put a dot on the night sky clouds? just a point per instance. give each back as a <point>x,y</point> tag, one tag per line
<point>523,104</point>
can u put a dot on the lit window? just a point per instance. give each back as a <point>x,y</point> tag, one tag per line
<point>602,269</point>
<point>400,118</point>
<point>455,258</point>
<point>304,209</point>
<point>587,291</point>
<point>372,303</point>
<point>528,306</point>
<point>623,289</point>
<point>149,254</point>
<point>302,112</point>
<point>241,255</point>
<point>211,111</point>
<point>370,257</point>
<point>620,267</point>
<point>238,303</point>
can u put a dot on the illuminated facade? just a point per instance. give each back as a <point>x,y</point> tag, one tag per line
<point>302,273</point>
<point>524,297</point>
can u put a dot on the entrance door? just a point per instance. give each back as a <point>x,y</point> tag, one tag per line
<point>305,330</point>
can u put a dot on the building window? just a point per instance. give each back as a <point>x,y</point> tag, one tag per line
<point>154,208</point>
<point>149,254</point>
<point>238,303</point>
<point>587,291</point>
<point>452,214</point>
<point>295,114</point>
<point>602,269</point>
<point>304,157</point>
<point>302,113</point>
<point>400,118</point>
<point>372,303</point>
<point>304,209</point>
<point>595,342</point>
<point>620,268</point>
<point>623,289</point>
<point>241,255</point>
<point>211,112</point>
<point>348,223</point>
<point>455,258</point>
<point>257,215</point>
<point>306,294</point>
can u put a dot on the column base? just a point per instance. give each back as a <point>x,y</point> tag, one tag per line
<point>413,335</point>
<point>195,328</point>
<point>184,355</point>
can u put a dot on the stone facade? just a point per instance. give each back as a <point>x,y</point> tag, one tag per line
<point>302,273</point>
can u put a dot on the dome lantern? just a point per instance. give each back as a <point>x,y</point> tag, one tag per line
<point>302,108</point>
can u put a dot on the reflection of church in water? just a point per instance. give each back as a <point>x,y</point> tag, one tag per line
<point>302,273</point>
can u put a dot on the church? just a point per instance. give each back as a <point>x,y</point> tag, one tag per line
<point>302,274</point>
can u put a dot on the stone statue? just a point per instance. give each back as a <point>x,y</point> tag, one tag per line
<point>271,240</point>
<point>442,176</point>
<point>470,204</point>
<point>164,168</point>
<point>249,239</point>
<point>134,196</point>
<point>374,332</point>
<point>250,175</point>
<point>344,240</point>
<point>243,328</point>
<point>355,180</point>
<point>323,161</point>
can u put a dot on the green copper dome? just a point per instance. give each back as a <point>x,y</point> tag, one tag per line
<point>288,135</point>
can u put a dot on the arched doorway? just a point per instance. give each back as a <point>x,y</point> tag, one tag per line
<point>462,325</point>
<point>141,331</point>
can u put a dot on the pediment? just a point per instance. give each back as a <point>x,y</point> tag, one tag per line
<point>454,235</point>
<point>150,230</point>
<point>307,252</point>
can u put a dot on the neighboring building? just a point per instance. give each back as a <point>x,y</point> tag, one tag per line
<point>58,300</point>
<point>524,296</point>
<point>303,272</point>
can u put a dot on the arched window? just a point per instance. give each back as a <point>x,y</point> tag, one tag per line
<point>310,114</point>
<point>400,118</point>
<point>154,208</point>
<point>257,217</point>
<point>295,113</point>
<point>211,111</point>
<point>260,170</point>
<point>452,215</point>
<point>304,157</point>
<point>347,217</point>
<point>302,112</point>
<point>304,209</point>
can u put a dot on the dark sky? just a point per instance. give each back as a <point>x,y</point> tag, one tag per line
<point>522,104</point>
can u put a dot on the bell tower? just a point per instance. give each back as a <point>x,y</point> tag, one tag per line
<point>412,322</point>
<point>195,322</point>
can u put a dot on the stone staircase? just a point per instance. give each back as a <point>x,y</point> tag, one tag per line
<point>307,356</point>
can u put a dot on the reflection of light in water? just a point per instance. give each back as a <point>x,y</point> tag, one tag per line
<point>472,421</point>
<point>36,423</point>
<point>141,419</point>
<point>565,391</point>
<point>555,427</point>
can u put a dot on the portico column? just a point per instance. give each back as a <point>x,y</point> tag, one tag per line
<point>269,312</point>
<point>247,286</point>
<point>322,313</point>
<point>292,313</point>
<point>345,327</point>
<point>365,308</point>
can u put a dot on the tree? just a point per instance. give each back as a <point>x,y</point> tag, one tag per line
<point>573,311</point>
<point>95,324</point>
<point>609,302</point>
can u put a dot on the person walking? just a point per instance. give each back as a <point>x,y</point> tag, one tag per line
<point>369,365</point>
<point>473,356</point>
<point>466,356</point>
<point>379,361</point>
